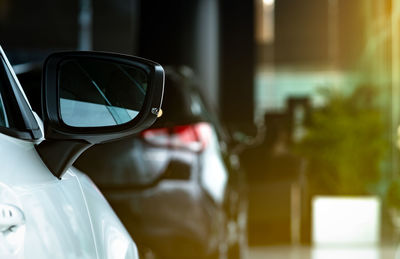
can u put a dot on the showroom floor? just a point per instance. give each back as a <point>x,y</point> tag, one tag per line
<point>303,252</point>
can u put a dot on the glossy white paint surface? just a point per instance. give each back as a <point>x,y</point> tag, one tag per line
<point>66,218</point>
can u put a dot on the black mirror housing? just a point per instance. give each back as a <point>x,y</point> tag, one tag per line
<point>56,129</point>
<point>64,143</point>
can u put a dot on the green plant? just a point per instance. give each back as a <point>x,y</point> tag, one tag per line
<point>345,143</point>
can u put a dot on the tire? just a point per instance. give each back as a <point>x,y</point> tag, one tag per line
<point>239,249</point>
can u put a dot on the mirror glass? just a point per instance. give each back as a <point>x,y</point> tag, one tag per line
<point>97,93</point>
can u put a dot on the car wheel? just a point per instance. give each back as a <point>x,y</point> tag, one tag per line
<point>222,253</point>
<point>238,248</point>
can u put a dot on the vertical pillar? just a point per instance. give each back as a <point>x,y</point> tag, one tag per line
<point>186,33</point>
<point>85,18</point>
<point>237,47</point>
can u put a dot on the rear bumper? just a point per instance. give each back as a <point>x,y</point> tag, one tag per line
<point>174,219</point>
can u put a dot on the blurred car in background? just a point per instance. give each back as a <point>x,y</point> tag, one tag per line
<point>176,187</point>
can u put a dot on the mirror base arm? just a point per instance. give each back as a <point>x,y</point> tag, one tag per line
<point>59,155</point>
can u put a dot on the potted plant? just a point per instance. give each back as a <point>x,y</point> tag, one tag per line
<point>344,146</point>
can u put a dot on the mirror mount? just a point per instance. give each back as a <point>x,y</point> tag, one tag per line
<point>59,155</point>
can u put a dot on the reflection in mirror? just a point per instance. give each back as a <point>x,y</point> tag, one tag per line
<point>98,93</point>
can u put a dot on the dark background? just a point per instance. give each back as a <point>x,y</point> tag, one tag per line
<point>215,38</point>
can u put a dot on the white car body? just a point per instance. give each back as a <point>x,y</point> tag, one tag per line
<point>67,218</point>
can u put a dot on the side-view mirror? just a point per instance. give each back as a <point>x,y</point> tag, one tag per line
<point>95,97</point>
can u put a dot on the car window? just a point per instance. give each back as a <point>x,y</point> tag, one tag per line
<point>16,117</point>
<point>10,116</point>
<point>31,83</point>
<point>3,115</point>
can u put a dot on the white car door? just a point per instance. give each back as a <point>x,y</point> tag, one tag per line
<point>40,215</point>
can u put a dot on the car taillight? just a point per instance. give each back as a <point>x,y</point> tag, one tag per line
<point>194,137</point>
